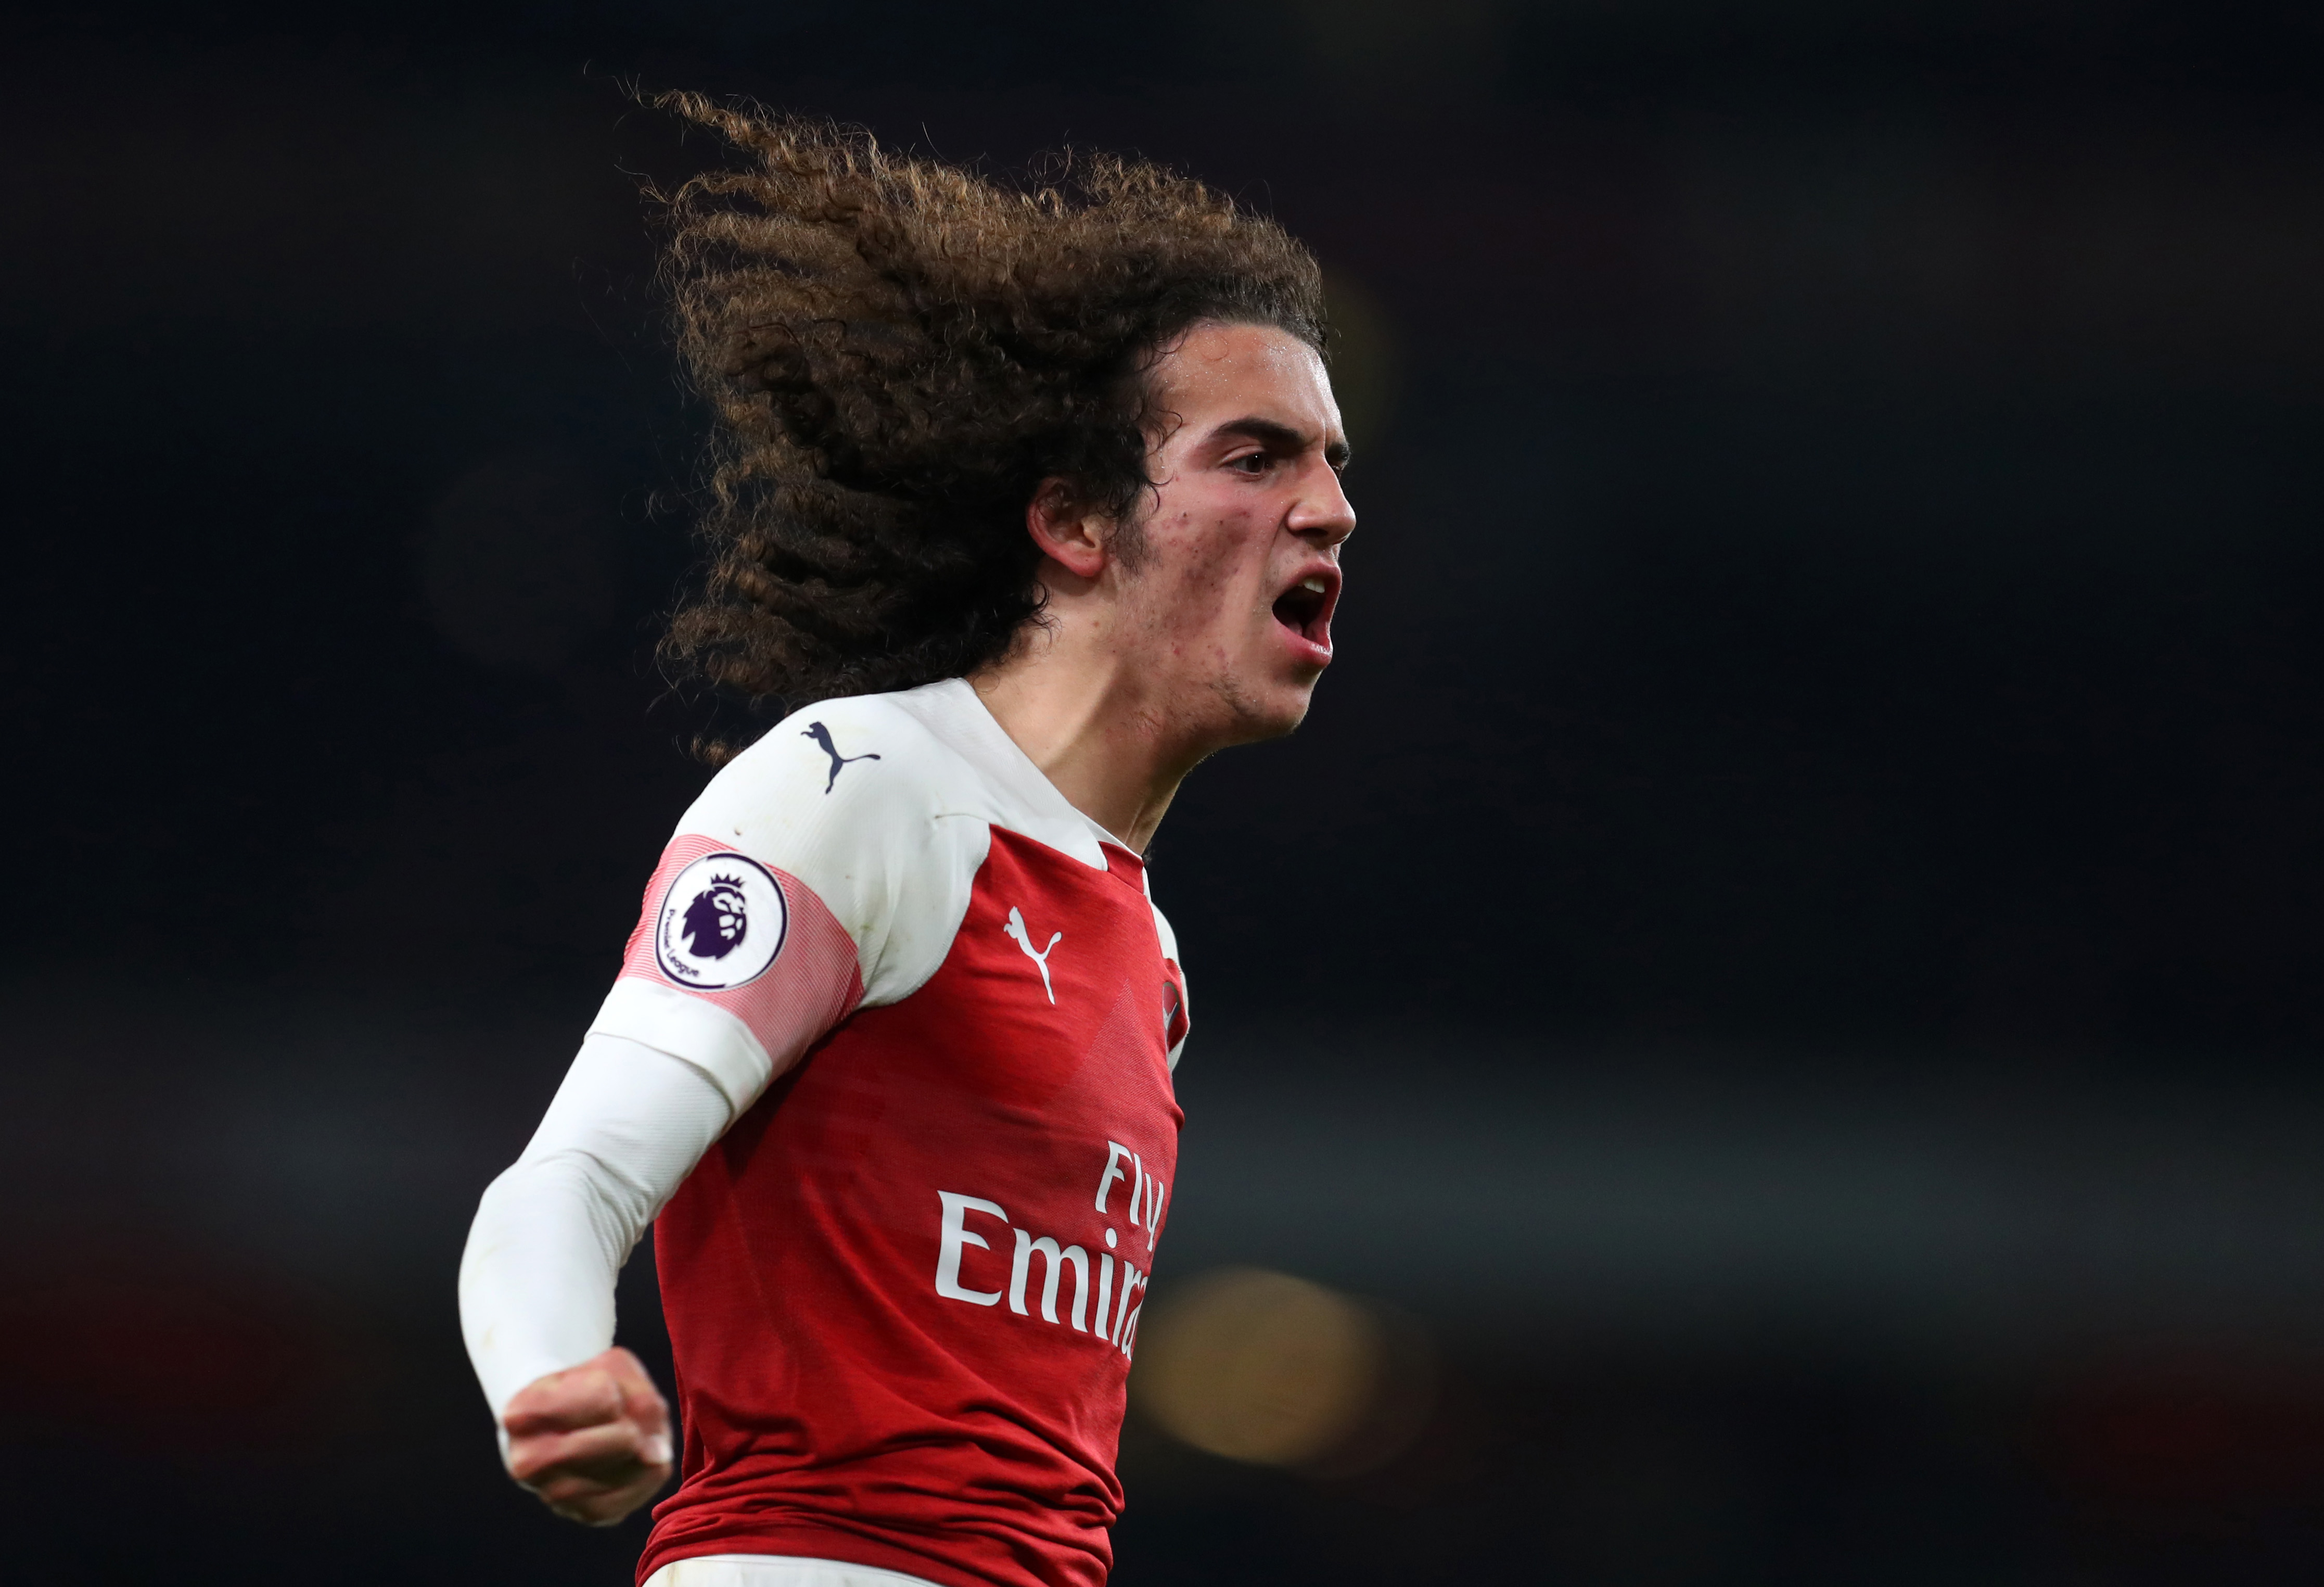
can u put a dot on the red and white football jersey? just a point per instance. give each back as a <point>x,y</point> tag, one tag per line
<point>904,1287</point>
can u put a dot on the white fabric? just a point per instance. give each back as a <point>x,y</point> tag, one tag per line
<point>890,846</point>
<point>767,1569</point>
<point>656,1014</point>
<point>551,1233</point>
<point>891,842</point>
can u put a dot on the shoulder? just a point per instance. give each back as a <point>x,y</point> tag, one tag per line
<point>848,798</point>
<point>833,763</point>
<point>1181,1010</point>
<point>1162,929</point>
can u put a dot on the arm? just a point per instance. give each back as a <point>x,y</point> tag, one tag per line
<point>774,902</point>
<point>581,1423</point>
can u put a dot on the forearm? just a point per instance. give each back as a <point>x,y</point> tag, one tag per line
<point>537,1278</point>
<point>551,1233</point>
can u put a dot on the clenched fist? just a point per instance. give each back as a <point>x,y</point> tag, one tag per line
<point>592,1441</point>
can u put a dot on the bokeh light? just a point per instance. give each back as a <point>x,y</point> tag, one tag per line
<point>1792,943</point>
<point>1274,1371</point>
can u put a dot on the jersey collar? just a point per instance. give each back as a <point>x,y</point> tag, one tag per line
<point>961,714</point>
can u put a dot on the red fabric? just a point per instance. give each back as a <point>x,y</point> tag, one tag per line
<point>813,984</point>
<point>835,1405</point>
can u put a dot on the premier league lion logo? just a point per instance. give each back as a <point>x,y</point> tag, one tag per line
<point>718,918</point>
<point>722,921</point>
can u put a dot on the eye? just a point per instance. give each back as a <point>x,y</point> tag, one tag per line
<point>1250,463</point>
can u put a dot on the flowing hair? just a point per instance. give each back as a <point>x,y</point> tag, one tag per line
<point>897,351</point>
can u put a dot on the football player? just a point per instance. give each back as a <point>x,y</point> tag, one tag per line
<point>1024,503</point>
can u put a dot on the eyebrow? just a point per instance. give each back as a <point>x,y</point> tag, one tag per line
<point>1281,438</point>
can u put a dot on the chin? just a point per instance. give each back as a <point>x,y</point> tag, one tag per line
<point>1260,714</point>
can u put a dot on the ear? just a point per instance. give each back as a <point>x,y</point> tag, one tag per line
<point>1068,533</point>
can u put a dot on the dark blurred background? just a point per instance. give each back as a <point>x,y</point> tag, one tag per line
<point>1787,970</point>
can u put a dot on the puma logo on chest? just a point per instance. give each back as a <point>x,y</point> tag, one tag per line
<point>1040,957</point>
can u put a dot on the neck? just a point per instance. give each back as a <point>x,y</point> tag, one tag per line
<point>1095,721</point>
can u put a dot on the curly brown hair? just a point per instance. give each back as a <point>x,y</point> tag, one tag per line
<point>898,352</point>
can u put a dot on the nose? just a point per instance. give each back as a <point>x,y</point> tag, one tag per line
<point>1322,516</point>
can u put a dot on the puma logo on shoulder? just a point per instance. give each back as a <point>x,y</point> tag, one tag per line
<point>1015,928</point>
<point>822,736</point>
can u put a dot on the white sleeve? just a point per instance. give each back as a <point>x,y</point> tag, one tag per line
<point>820,871</point>
<point>551,1233</point>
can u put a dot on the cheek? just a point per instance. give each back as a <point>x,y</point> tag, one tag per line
<point>1218,567</point>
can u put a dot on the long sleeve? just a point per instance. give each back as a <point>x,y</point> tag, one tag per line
<point>789,896</point>
<point>550,1234</point>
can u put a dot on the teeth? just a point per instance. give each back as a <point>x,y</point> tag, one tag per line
<point>1313,584</point>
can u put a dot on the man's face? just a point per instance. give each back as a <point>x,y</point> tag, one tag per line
<point>1232,593</point>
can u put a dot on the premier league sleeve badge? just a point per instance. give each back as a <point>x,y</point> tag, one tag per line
<point>722,923</point>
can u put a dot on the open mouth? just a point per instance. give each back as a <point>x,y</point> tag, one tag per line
<point>1305,607</point>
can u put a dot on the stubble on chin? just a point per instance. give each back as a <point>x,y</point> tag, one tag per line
<point>1253,719</point>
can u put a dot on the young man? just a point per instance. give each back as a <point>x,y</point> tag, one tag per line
<point>1035,499</point>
